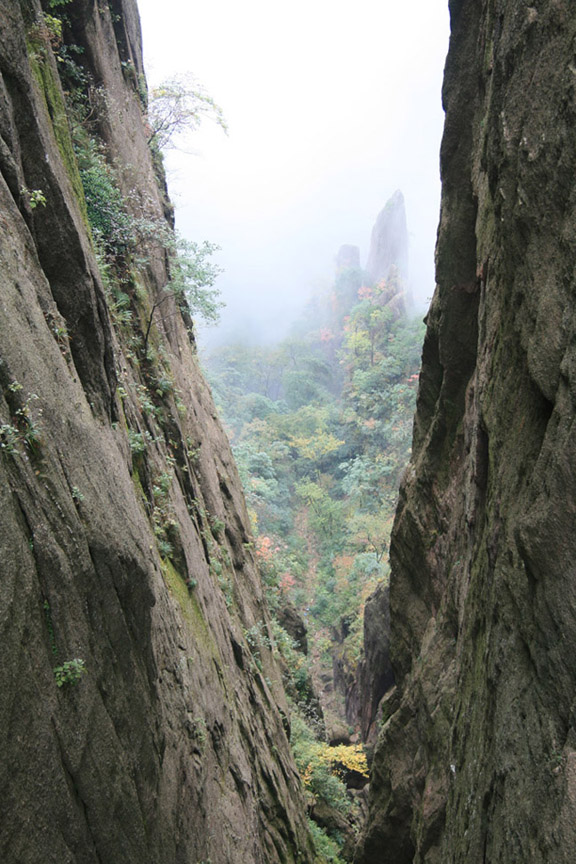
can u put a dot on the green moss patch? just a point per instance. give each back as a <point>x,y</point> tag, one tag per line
<point>189,605</point>
<point>49,85</point>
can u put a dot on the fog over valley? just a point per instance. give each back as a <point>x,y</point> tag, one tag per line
<point>330,109</point>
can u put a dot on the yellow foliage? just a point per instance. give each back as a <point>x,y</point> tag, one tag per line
<point>348,757</point>
<point>315,447</point>
<point>253,517</point>
<point>351,756</point>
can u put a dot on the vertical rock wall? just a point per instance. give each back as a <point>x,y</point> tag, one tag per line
<point>171,747</point>
<point>476,760</point>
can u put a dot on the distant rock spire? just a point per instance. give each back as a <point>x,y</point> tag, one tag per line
<point>389,243</point>
<point>348,256</point>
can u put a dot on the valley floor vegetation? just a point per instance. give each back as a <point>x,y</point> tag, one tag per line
<point>321,427</point>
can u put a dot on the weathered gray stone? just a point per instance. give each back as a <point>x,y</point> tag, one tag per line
<point>475,757</point>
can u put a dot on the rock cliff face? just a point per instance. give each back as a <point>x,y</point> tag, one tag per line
<point>476,760</point>
<point>365,685</point>
<point>171,746</point>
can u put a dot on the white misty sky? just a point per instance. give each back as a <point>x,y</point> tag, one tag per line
<point>331,106</point>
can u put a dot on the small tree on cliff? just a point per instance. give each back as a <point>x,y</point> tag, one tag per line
<point>192,278</point>
<point>177,107</point>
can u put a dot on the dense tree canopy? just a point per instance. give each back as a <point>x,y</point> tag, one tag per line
<point>321,427</point>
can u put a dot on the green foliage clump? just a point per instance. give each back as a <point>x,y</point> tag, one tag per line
<point>128,235</point>
<point>165,524</point>
<point>258,639</point>
<point>139,441</point>
<point>127,242</point>
<point>35,197</point>
<point>70,672</point>
<point>9,439</point>
<point>22,436</point>
<point>192,277</point>
<point>296,674</point>
<point>116,226</point>
<point>327,849</point>
<point>315,765</point>
<point>109,219</point>
<point>191,285</point>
